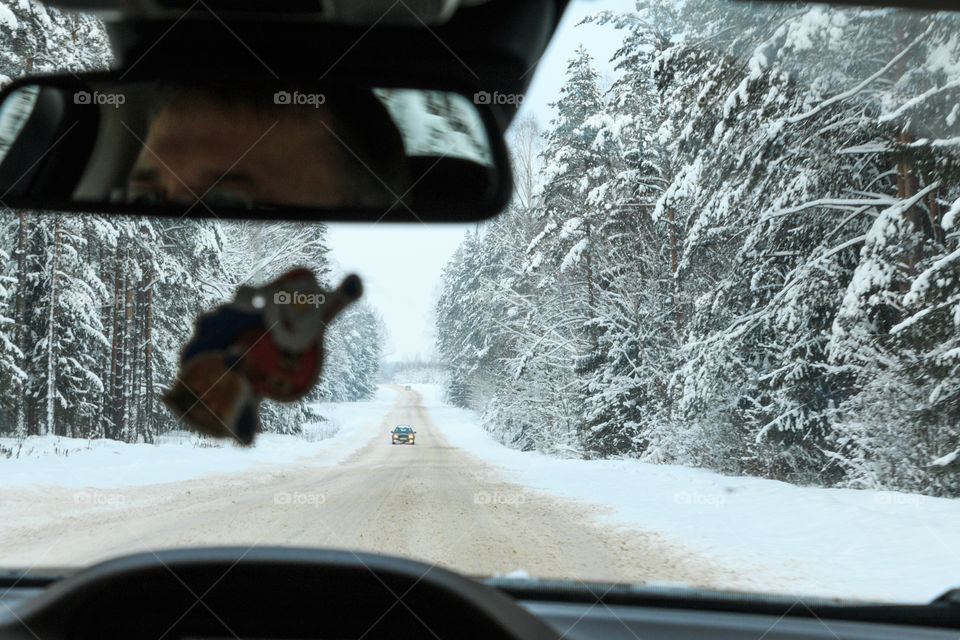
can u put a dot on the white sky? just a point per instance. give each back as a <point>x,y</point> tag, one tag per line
<point>401,263</point>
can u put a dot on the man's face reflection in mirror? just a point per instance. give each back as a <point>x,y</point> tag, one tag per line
<point>245,149</point>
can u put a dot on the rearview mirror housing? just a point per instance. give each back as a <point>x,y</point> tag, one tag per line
<point>222,145</point>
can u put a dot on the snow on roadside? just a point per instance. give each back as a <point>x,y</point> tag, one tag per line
<point>74,463</point>
<point>874,545</point>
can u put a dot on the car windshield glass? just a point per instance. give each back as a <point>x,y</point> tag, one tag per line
<point>713,341</point>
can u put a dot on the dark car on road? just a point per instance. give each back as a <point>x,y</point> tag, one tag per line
<point>402,434</point>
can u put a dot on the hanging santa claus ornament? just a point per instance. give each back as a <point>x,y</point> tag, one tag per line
<point>266,343</point>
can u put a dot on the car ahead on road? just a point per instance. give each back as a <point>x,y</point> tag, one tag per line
<point>402,434</point>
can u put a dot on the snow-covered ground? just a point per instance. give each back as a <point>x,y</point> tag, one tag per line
<point>873,545</point>
<point>798,540</point>
<point>76,463</point>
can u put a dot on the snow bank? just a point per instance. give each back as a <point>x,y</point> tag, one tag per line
<point>73,463</point>
<point>874,545</point>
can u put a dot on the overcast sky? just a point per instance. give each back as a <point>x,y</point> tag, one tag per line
<point>401,263</point>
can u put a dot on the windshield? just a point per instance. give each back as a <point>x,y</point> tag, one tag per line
<point>713,341</point>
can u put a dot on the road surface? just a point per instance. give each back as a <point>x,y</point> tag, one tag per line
<point>431,501</point>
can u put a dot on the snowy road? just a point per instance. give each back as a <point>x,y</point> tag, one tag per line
<point>431,501</point>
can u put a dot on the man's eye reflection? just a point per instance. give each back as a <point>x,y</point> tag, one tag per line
<point>219,197</point>
<point>205,146</point>
<point>231,189</point>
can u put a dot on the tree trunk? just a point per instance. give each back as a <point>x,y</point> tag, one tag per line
<point>116,385</point>
<point>103,352</point>
<point>148,365</point>
<point>907,187</point>
<point>674,265</point>
<point>129,363</point>
<point>674,256</point>
<point>591,296</point>
<point>935,213</point>
<point>20,325</point>
<point>51,332</point>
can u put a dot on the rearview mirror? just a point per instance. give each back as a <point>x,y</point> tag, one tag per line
<point>228,149</point>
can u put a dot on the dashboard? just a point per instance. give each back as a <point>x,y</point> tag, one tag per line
<point>273,593</point>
